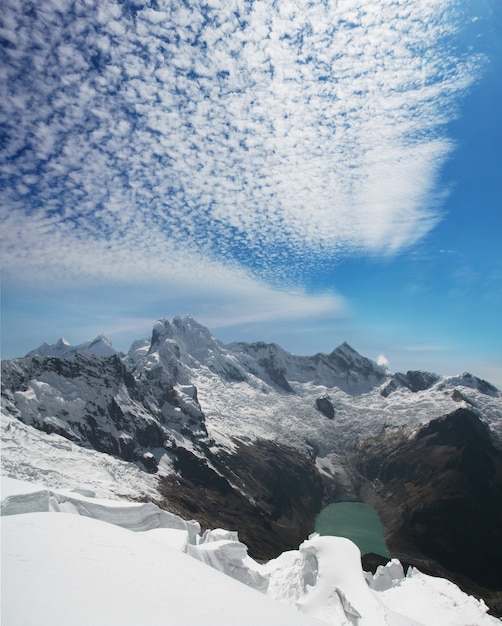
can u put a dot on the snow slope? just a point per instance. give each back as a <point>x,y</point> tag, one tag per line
<point>32,455</point>
<point>63,569</point>
<point>67,558</point>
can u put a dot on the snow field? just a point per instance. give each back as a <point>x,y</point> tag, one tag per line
<point>49,459</point>
<point>78,560</point>
<point>66,569</point>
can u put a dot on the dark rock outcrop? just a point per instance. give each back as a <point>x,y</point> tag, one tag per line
<point>412,380</point>
<point>269,492</point>
<point>325,406</point>
<point>276,373</point>
<point>439,496</point>
<point>96,402</point>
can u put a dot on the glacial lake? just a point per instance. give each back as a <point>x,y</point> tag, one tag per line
<point>355,521</point>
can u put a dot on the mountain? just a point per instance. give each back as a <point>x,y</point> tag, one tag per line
<point>91,400</point>
<point>438,491</point>
<point>99,346</point>
<point>243,435</point>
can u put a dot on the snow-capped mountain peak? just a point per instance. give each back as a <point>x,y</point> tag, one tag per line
<point>99,346</point>
<point>182,346</point>
<point>473,382</point>
<point>190,337</point>
<point>346,358</point>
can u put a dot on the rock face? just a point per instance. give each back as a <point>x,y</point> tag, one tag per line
<point>473,382</point>
<point>439,495</point>
<point>268,492</point>
<point>343,368</point>
<point>96,402</point>
<point>412,380</point>
<point>325,406</point>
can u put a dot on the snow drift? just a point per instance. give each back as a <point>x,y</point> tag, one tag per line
<point>69,558</point>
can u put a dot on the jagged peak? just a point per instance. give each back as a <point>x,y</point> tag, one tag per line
<point>258,346</point>
<point>180,326</point>
<point>345,348</point>
<point>161,328</point>
<point>413,380</point>
<point>100,338</point>
<point>99,346</point>
<point>185,336</point>
<point>349,355</point>
<point>187,322</point>
<point>473,382</point>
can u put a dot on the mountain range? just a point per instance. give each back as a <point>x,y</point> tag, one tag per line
<point>252,437</point>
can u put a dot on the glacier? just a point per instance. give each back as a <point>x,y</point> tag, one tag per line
<point>69,558</point>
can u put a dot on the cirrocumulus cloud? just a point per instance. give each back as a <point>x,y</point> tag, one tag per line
<point>196,141</point>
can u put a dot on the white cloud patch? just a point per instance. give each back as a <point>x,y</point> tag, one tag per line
<point>203,138</point>
<point>383,361</point>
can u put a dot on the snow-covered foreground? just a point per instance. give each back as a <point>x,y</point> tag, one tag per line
<point>68,558</point>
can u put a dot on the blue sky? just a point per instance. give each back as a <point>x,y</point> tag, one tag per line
<point>300,172</point>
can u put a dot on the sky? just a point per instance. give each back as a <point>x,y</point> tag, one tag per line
<point>306,173</point>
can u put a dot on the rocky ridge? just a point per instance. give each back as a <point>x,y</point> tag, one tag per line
<point>438,493</point>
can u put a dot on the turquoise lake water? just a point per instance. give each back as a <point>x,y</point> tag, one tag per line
<point>355,521</point>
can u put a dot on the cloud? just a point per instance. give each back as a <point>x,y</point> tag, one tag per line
<point>232,303</point>
<point>188,138</point>
<point>383,361</point>
<point>425,348</point>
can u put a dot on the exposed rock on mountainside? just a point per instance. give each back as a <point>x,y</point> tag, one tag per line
<point>439,495</point>
<point>473,382</point>
<point>344,368</point>
<point>414,381</point>
<point>324,405</point>
<point>96,402</point>
<point>267,491</point>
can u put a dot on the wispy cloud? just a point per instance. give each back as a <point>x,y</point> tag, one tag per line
<point>210,142</point>
<point>425,348</point>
